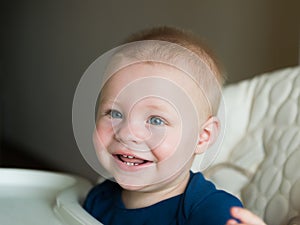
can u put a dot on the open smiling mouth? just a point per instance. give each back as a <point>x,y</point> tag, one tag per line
<point>130,160</point>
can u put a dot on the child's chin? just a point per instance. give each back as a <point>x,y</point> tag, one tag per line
<point>130,184</point>
<point>131,187</point>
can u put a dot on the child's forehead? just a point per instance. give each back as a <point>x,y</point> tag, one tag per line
<point>154,82</point>
<point>151,80</point>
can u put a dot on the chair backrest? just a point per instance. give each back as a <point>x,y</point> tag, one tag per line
<point>260,155</point>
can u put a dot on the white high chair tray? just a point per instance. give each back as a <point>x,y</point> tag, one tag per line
<point>39,197</point>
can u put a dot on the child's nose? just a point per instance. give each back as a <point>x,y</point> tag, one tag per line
<point>132,132</point>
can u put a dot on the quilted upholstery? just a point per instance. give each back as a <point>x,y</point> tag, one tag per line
<point>260,156</point>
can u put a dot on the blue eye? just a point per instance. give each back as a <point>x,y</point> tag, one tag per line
<point>115,114</point>
<point>157,121</point>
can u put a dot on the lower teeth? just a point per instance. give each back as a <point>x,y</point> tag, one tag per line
<point>131,164</point>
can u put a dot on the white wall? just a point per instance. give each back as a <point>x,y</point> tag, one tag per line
<point>48,44</point>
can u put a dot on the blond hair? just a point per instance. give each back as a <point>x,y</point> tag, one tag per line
<point>185,39</point>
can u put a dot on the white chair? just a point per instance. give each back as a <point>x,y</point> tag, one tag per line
<point>30,197</point>
<point>260,156</point>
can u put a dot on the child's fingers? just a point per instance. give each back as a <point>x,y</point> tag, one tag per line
<point>246,216</point>
<point>231,222</point>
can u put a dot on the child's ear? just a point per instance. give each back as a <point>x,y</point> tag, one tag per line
<point>208,134</point>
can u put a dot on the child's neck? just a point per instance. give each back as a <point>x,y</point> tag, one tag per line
<point>140,199</point>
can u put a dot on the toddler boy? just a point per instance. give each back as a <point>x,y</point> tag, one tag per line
<point>156,111</point>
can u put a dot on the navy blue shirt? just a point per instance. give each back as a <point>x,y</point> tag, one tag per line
<point>201,203</point>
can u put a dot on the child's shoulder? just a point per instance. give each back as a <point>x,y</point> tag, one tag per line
<point>203,201</point>
<point>202,190</point>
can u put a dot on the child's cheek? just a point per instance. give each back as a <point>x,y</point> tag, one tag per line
<point>105,131</point>
<point>168,144</point>
<point>164,151</point>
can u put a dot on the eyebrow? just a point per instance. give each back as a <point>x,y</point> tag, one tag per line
<point>156,106</point>
<point>161,107</point>
<point>108,101</point>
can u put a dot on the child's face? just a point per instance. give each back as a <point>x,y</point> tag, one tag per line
<point>148,124</point>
